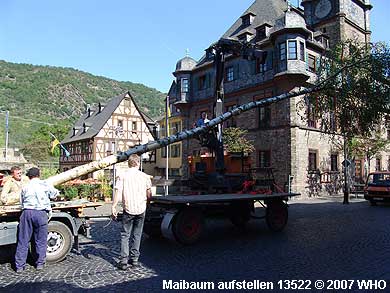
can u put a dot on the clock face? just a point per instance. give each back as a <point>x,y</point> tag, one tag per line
<point>323,8</point>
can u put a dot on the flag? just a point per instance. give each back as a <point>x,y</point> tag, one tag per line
<point>55,143</point>
<point>67,153</point>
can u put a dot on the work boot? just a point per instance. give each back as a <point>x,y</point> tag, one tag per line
<point>122,266</point>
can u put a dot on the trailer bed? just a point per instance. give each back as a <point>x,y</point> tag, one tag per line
<point>217,198</point>
<point>56,206</point>
<point>181,217</point>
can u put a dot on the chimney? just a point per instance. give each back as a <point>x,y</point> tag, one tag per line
<point>75,130</point>
<point>100,107</point>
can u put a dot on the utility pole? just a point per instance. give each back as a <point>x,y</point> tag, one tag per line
<point>167,147</point>
<point>6,134</point>
<point>116,131</point>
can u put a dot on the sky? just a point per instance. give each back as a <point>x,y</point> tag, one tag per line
<point>126,40</point>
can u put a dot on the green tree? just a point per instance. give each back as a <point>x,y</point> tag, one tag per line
<point>38,147</point>
<point>235,140</point>
<point>352,92</point>
<point>368,147</point>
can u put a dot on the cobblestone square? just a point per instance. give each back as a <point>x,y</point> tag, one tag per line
<point>323,240</point>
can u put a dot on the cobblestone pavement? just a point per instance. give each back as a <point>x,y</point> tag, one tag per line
<point>323,240</point>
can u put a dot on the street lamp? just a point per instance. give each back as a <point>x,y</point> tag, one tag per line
<point>116,131</point>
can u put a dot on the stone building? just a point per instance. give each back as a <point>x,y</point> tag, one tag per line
<point>285,137</point>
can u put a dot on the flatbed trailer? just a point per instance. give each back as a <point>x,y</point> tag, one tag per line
<point>65,225</point>
<point>181,217</point>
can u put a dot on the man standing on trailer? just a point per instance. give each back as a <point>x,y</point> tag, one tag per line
<point>35,202</point>
<point>10,194</point>
<point>133,187</point>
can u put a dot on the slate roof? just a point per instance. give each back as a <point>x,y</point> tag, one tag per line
<point>185,64</point>
<point>265,11</point>
<point>97,120</point>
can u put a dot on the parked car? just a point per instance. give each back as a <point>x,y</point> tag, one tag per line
<point>377,187</point>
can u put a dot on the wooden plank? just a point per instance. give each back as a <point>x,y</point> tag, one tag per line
<point>215,198</point>
<point>12,209</point>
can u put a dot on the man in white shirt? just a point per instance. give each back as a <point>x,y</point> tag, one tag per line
<point>133,188</point>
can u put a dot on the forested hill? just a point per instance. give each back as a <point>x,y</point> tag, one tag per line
<point>58,96</point>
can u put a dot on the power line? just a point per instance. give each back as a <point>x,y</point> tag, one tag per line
<point>29,120</point>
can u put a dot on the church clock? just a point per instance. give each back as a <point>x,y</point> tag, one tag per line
<point>323,8</point>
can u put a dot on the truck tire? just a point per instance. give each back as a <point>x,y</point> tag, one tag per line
<point>59,242</point>
<point>276,215</point>
<point>188,225</point>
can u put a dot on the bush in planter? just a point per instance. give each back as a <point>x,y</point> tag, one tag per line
<point>105,189</point>
<point>87,190</point>
<point>71,192</point>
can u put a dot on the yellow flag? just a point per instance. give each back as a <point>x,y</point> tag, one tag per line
<point>55,143</point>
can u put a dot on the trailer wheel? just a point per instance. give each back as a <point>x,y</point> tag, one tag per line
<point>276,215</point>
<point>240,213</point>
<point>59,242</point>
<point>188,225</point>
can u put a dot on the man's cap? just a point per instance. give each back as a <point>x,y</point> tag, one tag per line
<point>33,172</point>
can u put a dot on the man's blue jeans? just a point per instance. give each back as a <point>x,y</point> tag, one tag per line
<point>32,222</point>
<point>132,226</point>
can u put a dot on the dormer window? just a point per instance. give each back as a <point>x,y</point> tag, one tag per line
<point>85,127</point>
<point>100,107</point>
<point>89,112</point>
<point>209,54</point>
<point>247,19</point>
<point>75,130</point>
<point>262,31</point>
<point>245,37</point>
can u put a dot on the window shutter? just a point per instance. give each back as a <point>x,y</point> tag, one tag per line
<point>252,67</point>
<point>178,88</point>
<point>307,61</point>
<point>211,78</point>
<point>318,63</point>
<point>195,83</point>
<point>268,115</point>
<point>236,71</point>
<point>208,77</point>
<point>269,60</point>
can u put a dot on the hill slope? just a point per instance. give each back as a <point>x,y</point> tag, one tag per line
<point>58,96</point>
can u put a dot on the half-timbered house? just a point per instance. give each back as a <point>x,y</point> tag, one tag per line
<point>104,130</point>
